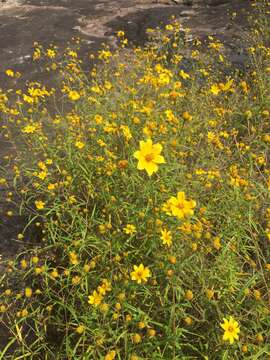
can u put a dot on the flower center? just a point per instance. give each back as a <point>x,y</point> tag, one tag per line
<point>139,274</point>
<point>149,157</point>
<point>180,205</point>
<point>231,329</point>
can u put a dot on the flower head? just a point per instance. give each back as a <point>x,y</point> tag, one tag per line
<point>166,237</point>
<point>111,355</point>
<point>28,292</point>
<point>95,299</point>
<point>140,273</point>
<point>129,229</point>
<point>39,204</point>
<point>231,330</point>
<point>79,144</point>
<point>149,156</point>
<point>10,73</point>
<point>29,129</point>
<point>74,95</point>
<point>179,206</point>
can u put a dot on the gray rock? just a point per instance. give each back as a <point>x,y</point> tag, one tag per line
<point>216,2</point>
<point>188,2</point>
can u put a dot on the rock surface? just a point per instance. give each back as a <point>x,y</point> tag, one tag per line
<point>22,22</point>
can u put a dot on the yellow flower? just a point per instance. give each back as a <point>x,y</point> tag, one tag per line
<point>184,75</point>
<point>215,90</point>
<point>130,229</point>
<point>74,95</point>
<point>29,129</point>
<point>136,338</point>
<point>209,293</point>
<point>180,206</point>
<point>231,330</point>
<point>101,290</point>
<point>51,186</point>
<point>28,292</point>
<point>188,320</point>
<point>186,116</point>
<point>149,156</point>
<point>39,204</point>
<point>10,73</point>
<point>80,329</point>
<point>98,119</point>
<point>51,53</point>
<point>217,243</point>
<point>227,86</point>
<point>24,313</point>
<point>120,33</point>
<point>106,286</point>
<point>166,237</point>
<point>151,333</point>
<point>95,299</point>
<point>79,144</point>
<point>24,264</point>
<point>189,295</point>
<point>42,175</point>
<point>140,273</point>
<point>73,258</point>
<point>111,355</point>
<point>126,132</point>
<point>54,273</point>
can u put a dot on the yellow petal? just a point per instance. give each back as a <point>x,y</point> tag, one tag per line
<point>141,164</point>
<point>151,168</point>
<point>159,159</point>
<point>137,154</point>
<point>157,148</point>
<point>142,144</point>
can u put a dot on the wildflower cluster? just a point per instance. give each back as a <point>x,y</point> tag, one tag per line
<point>149,199</point>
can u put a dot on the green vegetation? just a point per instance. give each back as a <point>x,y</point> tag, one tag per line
<point>149,184</point>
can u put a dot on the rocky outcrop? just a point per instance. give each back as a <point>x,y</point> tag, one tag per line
<point>201,2</point>
<point>22,22</point>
